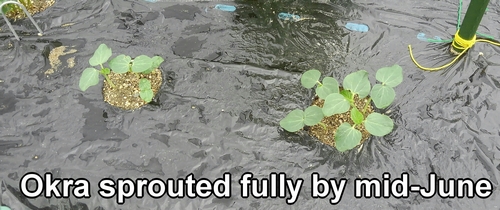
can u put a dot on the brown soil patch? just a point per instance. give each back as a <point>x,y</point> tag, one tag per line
<point>125,94</point>
<point>54,60</point>
<point>333,122</point>
<point>33,6</point>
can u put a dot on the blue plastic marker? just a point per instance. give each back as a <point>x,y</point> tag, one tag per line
<point>4,208</point>
<point>422,37</point>
<point>288,16</point>
<point>357,27</point>
<point>153,1</point>
<point>226,8</point>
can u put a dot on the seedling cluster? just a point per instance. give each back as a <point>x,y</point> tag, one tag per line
<point>121,64</point>
<point>338,101</point>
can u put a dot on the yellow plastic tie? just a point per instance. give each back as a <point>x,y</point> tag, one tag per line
<point>463,45</point>
<point>458,43</point>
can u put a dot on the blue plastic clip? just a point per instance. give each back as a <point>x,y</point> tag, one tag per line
<point>357,27</point>
<point>288,16</point>
<point>226,8</point>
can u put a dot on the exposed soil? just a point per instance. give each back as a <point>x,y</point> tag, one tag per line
<point>34,7</point>
<point>125,94</point>
<point>333,122</point>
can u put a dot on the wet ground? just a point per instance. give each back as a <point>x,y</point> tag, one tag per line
<point>229,78</point>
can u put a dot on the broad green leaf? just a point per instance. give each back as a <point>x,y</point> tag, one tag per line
<point>294,121</point>
<point>329,86</point>
<point>120,64</point>
<point>347,94</point>
<point>378,124</point>
<point>358,83</point>
<point>144,84</point>
<point>310,78</point>
<point>157,60</point>
<point>141,63</point>
<point>356,116</point>
<point>90,77</point>
<point>391,76</point>
<point>346,137</point>
<point>335,104</point>
<point>382,95</point>
<point>313,115</point>
<point>101,55</point>
<point>146,95</point>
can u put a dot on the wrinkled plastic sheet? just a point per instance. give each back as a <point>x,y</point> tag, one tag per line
<point>229,78</point>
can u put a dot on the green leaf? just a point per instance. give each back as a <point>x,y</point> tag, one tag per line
<point>144,84</point>
<point>146,95</point>
<point>335,104</point>
<point>310,78</point>
<point>120,64</point>
<point>346,137</point>
<point>382,95</point>
<point>347,94</point>
<point>313,115</point>
<point>356,116</point>
<point>358,83</point>
<point>157,60</point>
<point>101,55</point>
<point>294,121</point>
<point>145,90</point>
<point>141,63</point>
<point>391,76</point>
<point>329,86</point>
<point>90,77</point>
<point>378,124</point>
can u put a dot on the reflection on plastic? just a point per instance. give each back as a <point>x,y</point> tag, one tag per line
<point>288,16</point>
<point>147,1</point>
<point>357,27</point>
<point>226,8</point>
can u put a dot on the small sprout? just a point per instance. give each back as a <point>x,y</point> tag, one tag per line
<point>337,102</point>
<point>145,90</point>
<point>142,64</point>
<point>356,116</point>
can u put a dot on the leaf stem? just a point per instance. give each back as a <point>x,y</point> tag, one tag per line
<point>319,83</point>
<point>109,81</point>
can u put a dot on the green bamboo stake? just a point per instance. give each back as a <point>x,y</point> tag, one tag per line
<point>467,31</point>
